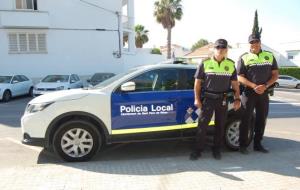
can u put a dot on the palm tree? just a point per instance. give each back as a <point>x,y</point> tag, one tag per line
<point>141,36</point>
<point>166,12</point>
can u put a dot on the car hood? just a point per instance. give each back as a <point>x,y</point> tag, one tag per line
<point>51,84</point>
<point>63,95</point>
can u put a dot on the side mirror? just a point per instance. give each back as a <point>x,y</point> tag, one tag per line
<point>72,81</point>
<point>128,86</point>
<point>88,80</point>
<point>15,81</point>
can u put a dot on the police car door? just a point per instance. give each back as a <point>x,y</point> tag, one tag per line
<point>150,111</point>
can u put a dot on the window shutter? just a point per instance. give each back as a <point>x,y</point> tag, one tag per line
<point>23,42</point>
<point>42,42</point>
<point>32,42</point>
<point>13,43</point>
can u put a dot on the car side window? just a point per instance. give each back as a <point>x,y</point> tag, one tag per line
<point>77,78</point>
<point>190,80</point>
<point>157,80</point>
<point>72,78</point>
<point>16,79</point>
<point>145,81</point>
<point>24,78</point>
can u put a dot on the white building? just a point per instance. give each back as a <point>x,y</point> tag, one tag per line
<point>40,37</point>
<point>176,50</point>
<point>291,51</point>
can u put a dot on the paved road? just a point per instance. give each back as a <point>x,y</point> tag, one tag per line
<point>157,165</point>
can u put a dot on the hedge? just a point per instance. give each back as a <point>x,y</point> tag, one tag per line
<point>292,71</point>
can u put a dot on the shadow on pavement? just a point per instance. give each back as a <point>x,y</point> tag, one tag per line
<point>12,111</point>
<point>159,158</point>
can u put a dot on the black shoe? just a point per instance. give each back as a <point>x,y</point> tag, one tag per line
<point>195,155</point>
<point>243,150</point>
<point>260,148</point>
<point>217,154</point>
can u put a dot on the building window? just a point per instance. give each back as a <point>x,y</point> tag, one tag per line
<point>290,57</point>
<point>27,43</point>
<point>26,4</point>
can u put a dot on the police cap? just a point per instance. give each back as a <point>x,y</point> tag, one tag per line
<point>253,38</point>
<point>221,43</point>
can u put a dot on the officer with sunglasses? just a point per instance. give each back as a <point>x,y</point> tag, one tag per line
<point>257,71</point>
<point>214,76</point>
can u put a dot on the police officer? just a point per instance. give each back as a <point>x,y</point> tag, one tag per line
<point>257,71</point>
<point>214,76</point>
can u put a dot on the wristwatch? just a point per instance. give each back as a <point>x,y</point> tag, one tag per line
<point>237,99</point>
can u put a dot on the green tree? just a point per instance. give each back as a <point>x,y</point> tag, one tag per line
<point>256,30</point>
<point>156,51</point>
<point>166,13</point>
<point>141,36</point>
<point>199,44</point>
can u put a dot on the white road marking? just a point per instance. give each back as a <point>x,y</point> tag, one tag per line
<point>37,149</point>
<point>285,103</point>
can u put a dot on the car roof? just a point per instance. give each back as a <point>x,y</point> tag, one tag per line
<point>166,65</point>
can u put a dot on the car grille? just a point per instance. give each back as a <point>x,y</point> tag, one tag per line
<point>46,89</point>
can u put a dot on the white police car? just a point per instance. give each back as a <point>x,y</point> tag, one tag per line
<point>146,103</point>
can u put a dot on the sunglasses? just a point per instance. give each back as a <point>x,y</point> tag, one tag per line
<point>254,41</point>
<point>221,47</point>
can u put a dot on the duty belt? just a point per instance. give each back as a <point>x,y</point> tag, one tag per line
<point>213,95</point>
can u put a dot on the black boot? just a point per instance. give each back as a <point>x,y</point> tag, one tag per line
<point>260,148</point>
<point>195,155</point>
<point>216,154</point>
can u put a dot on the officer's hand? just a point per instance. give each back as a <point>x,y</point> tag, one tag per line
<point>236,105</point>
<point>198,103</point>
<point>260,89</point>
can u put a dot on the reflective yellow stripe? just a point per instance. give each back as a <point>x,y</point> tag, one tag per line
<point>155,129</point>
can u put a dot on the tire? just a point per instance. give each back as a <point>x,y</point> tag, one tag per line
<point>79,133</point>
<point>6,96</point>
<point>232,133</point>
<point>298,86</point>
<point>30,93</point>
<point>276,84</point>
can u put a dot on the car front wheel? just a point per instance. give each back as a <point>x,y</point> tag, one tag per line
<point>77,141</point>
<point>232,133</point>
<point>6,96</point>
<point>298,86</point>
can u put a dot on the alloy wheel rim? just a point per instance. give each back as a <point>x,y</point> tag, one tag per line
<point>77,142</point>
<point>233,133</point>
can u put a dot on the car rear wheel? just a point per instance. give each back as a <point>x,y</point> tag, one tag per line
<point>77,141</point>
<point>30,93</point>
<point>6,96</point>
<point>232,133</point>
<point>276,84</point>
<point>298,86</point>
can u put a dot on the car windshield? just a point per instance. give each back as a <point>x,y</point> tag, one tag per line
<point>5,79</point>
<point>99,77</point>
<point>56,78</point>
<point>114,78</point>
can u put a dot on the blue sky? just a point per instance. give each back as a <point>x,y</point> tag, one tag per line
<point>229,19</point>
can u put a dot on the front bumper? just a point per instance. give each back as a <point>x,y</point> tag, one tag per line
<point>33,141</point>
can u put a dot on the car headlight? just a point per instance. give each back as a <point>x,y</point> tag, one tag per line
<point>60,88</point>
<point>32,108</point>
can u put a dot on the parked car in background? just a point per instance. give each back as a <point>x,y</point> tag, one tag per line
<point>99,77</point>
<point>287,81</point>
<point>14,85</point>
<point>53,83</point>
